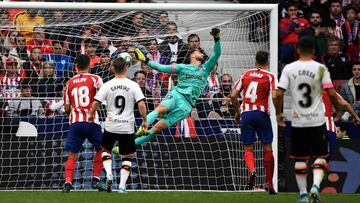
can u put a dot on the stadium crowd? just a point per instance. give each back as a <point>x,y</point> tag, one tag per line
<point>335,26</point>
<point>38,51</point>
<point>38,48</point>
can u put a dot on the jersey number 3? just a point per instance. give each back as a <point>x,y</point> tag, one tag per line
<point>251,91</point>
<point>307,101</point>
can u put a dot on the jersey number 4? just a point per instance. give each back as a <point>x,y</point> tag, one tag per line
<point>81,96</point>
<point>251,91</point>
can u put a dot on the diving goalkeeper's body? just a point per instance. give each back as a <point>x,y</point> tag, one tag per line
<point>178,103</point>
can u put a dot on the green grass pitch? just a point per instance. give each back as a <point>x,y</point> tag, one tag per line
<point>162,197</point>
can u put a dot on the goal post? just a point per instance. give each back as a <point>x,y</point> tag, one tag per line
<point>213,160</point>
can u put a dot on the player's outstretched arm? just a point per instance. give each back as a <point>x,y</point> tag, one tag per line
<point>142,110</point>
<point>349,109</point>
<point>333,98</point>
<point>161,68</point>
<point>213,59</point>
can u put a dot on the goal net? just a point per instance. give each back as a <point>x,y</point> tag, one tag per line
<point>203,152</point>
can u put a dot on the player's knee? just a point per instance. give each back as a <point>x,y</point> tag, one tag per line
<point>126,164</point>
<point>267,147</point>
<point>319,163</point>
<point>105,156</point>
<point>301,167</point>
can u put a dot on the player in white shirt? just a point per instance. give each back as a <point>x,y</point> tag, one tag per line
<point>120,95</point>
<point>306,80</point>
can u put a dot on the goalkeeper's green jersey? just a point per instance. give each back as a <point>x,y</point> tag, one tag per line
<point>191,79</point>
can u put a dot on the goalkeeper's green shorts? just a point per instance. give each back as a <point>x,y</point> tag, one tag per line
<point>179,108</point>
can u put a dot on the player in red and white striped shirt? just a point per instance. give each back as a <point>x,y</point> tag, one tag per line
<point>78,98</point>
<point>256,86</point>
<point>10,82</point>
<point>330,124</point>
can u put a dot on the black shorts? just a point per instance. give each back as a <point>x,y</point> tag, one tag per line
<point>126,142</point>
<point>309,141</point>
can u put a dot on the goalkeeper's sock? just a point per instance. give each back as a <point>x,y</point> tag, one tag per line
<point>97,164</point>
<point>107,162</point>
<point>319,169</point>
<point>269,167</point>
<point>301,175</point>
<point>151,117</point>
<point>145,138</point>
<point>124,172</point>
<point>250,160</point>
<point>69,169</point>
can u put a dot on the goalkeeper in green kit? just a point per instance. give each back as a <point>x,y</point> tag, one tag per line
<point>178,103</point>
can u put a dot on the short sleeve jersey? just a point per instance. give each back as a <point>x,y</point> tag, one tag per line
<point>256,85</point>
<point>120,95</point>
<point>306,81</point>
<point>80,92</point>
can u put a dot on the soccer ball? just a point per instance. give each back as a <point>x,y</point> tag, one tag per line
<point>126,56</point>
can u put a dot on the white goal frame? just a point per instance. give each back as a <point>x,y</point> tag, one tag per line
<point>273,49</point>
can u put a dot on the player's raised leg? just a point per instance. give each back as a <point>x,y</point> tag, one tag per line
<point>173,109</point>
<point>151,117</point>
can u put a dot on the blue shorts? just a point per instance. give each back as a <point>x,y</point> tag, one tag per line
<point>256,121</point>
<point>80,131</point>
<point>332,142</point>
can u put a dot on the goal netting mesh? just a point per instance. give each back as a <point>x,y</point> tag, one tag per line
<point>204,152</point>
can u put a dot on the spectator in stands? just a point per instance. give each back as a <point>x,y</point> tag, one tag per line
<point>48,85</point>
<point>338,63</point>
<point>26,21</point>
<point>153,84</point>
<point>337,16</point>
<point>32,67</point>
<point>4,22</point>
<point>104,43</point>
<point>26,107</point>
<point>350,28</point>
<point>213,83</point>
<point>64,66</point>
<point>354,50</point>
<point>90,49</point>
<point>39,41</point>
<point>103,68</point>
<point>193,43</point>
<point>55,31</point>
<point>136,22</point>
<point>122,46</point>
<point>173,46</point>
<point>222,104</point>
<point>10,41</point>
<point>140,78</point>
<point>161,29</point>
<point>20,51</point>
<point>10,82</point>
<point>318,32</point>
<point>155,55</point>
<point>350,90</point>
<point>290,27</point>
<point>143,36</point>
<point>135,64</point>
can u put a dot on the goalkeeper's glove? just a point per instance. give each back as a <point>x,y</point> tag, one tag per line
<point>141,56</point>
<point>215,32</point>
